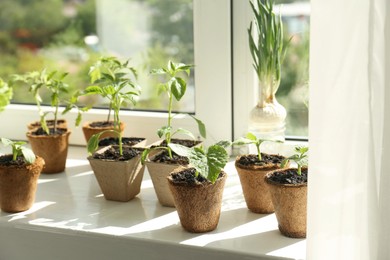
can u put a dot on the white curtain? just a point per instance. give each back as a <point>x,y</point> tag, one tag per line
<point>349,130</point>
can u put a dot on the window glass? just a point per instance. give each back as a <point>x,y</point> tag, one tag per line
<point>69,35</point>
<point>293,92</point>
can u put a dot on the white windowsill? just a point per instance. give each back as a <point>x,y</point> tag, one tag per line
<point>71,220</point>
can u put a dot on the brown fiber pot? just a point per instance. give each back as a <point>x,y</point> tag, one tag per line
<point>52,148</point>
<point>118,180</point>
<point>198,206</point>
<point>256,194</point>
<point>90,131</point>
<point>18,186</point>
<point>290,202</point>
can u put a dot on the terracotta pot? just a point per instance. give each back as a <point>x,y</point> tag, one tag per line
<point>118,180</point>
<point>52,148</point>
<point>90,131</point>
<point>198,206</point>
<point>18,186</point>
<point>290,202</point>
<point>61,123</point>
<point>256,194</point>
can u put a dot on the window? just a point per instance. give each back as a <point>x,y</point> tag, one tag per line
<point>70,35</point>
<point>218,48</point>
<point>211,56</point>
<point>293,90</point>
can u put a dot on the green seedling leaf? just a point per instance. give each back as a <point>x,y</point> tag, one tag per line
<point>95,73</point>
<point>201,126</point>
<point>180,149</point>
<point>217,157</point>
<point>225,144</point>
<point>178,88</point>
<point>251,137</point>
<point>158,71</point>
<point>183,131</point>
<point>207,163</point>
<point>28,154</point>
<point>93,143</point>
<point>300,158</point>
<point>6,142</point>
<point>163,131</point>
<point>144,155</point>
<point>19,150</point>
<point>93,90</point>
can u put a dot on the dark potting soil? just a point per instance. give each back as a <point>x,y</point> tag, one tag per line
<point>184,142</point>
<point>176,159</point>
<point>6,160</point>
<point>130,141</point>
<point>48,123</point>
<point>40,131</point>
<point>188,176</point>
<point>102,124</point>
<point>112,153</point>
<point>289,176</point>
<point>266,159</point>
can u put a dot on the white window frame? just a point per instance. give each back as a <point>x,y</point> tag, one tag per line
<point>213,98</point>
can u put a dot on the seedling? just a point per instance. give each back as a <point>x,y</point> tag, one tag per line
<point>19,150</point>
<point>252,139</point>
<point>5,94</point>
<point>54,82</point>
<point>300,158</point>
<point>207,162</point>
<point>175,87</point>
<point>113,81</point>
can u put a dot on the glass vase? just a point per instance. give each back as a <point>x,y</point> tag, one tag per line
<point>267,120</point>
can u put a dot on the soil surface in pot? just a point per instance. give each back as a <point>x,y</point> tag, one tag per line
<point>100,124</point>
<point>188,176</point>
<point>266,159</point>
<point>40,131</point>
<point>176,159</point>
<point>130,141</point>
<point>49,123</point>
<point>112,153</point>
<point>289,176</point>
<point>6,160</point>
<point>184,142</point>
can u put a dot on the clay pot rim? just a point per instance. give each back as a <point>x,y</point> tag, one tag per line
<point>29,133</point>
<point>86,125</point>
<point>196,185</point>
<point>267,167</point>
<point>90,158</point>
<point>23,166</point>
<point>270,182</point>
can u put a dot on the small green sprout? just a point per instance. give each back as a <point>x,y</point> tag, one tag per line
<point>250,138</point>
<point>19,150</point>
<point>207,162</point>
<point>300,158</point>
<point>175,87</point>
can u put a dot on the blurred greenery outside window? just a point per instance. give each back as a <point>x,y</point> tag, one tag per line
<point>69,35</point>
